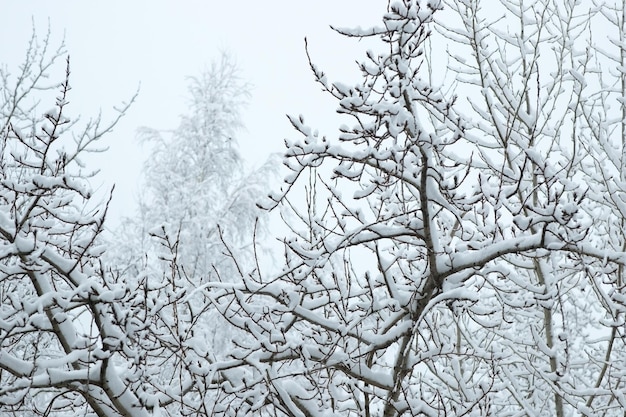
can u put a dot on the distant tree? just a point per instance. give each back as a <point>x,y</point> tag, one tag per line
<point>459,248</point>
<point>196,191</point>
<point>194,176</point>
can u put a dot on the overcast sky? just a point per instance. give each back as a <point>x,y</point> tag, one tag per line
<point>119,46</point>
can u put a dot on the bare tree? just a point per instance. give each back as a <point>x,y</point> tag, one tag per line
<point>58,329</point>
<point>446,259</point>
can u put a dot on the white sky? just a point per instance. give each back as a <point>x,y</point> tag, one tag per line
<point>117,46</point>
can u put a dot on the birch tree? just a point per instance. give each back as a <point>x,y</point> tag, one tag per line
<point>196,194</point>
<point>194,176</point>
